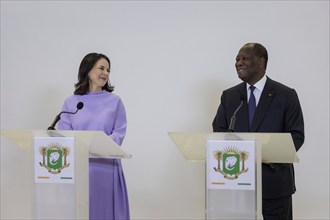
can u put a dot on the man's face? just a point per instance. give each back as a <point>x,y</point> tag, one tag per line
<point>248,65</point>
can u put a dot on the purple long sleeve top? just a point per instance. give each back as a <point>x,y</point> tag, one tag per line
<point>102,111</point>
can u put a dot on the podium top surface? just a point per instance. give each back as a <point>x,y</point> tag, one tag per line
<point>98,143</point>
<point>275,147</point>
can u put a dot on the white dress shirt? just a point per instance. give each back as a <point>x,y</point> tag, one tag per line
<point>258,90</point>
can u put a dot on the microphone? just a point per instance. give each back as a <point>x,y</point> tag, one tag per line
<point>233,118</point>
<point>80,105</point>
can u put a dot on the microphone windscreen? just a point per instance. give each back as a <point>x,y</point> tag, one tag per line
<point>80,105</point>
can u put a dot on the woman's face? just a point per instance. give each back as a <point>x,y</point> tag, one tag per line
<point>99,75</point>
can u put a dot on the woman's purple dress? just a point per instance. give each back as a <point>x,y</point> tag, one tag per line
<point>102,111</point>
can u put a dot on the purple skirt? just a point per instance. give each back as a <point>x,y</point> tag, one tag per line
<point>108,197</point>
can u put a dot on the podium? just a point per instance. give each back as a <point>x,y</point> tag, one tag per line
<point>29,187</point>
<point>230,194</point>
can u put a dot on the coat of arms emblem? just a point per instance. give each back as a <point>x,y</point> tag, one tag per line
<point>54,157</point>
<point>231,162</point>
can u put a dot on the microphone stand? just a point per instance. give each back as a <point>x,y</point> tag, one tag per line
<point>80,105</point>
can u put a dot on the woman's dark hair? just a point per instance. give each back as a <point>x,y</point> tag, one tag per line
<point>88,62</point>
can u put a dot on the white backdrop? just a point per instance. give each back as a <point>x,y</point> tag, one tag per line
<point>170,62</point>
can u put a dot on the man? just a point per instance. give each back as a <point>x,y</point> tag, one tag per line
<point>276,109</point>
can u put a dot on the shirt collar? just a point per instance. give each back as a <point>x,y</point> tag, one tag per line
<point>259,85</point>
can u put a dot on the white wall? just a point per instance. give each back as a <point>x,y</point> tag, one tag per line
<point>170,62</point>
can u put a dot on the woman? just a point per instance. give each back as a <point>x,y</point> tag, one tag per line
<point>102,111</point>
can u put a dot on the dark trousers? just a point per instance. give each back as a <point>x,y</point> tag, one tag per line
<point>277,209</point>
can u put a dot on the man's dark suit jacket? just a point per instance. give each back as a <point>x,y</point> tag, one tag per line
<point>278,110</point>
